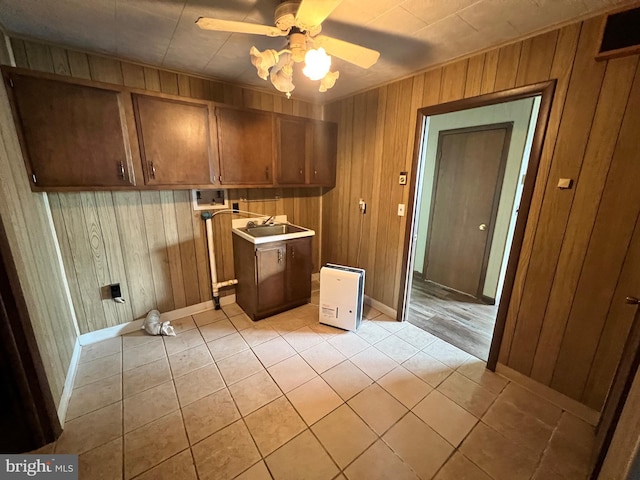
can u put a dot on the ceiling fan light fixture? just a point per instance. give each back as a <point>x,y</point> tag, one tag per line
<point>328,81</point>
<point>282,78</point>
<point>263,61</point>
<point>317,64</point>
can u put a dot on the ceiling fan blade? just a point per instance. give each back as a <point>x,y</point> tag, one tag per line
<point>238,27</point>
<point>361,56</point>
<point>312,13</point>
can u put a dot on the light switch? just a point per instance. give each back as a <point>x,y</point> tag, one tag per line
<point>565,183</point>
<point>401,209</point>
<point>402,180</point>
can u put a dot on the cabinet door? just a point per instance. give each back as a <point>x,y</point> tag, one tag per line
<point>271,263</point>
<point>322,162</point>
<point>175,141</point>
<point>246,146</point>
<point>291,140</point>
<point>299,265</point>
<point>71,135</point>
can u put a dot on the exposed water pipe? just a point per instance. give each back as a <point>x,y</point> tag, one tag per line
<point>215,285</point>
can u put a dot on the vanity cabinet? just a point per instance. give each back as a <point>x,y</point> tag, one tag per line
<point>246,146</point>
<point>177,143</point>
<point>73,135</point>
<point>273,276</point>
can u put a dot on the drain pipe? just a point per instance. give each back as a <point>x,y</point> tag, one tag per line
<point>215,285</point>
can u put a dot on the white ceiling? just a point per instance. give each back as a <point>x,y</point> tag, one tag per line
<point>411,35</point>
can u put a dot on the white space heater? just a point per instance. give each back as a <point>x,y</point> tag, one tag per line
<point>341,296</point>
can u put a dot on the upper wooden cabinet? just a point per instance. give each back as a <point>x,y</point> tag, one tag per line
<point>324,151</point>
<point>292,150</point>
<point>72,135</point>
<point>176,141</point>
<point>306,153</point>
<point>245,146</point>
<point>78,134</point>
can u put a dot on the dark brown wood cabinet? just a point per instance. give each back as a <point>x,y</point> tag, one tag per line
<point>176,141</point>
<point>306,153</point>
<point>246,146</point>
<point>292,150</point>
<point>73,135</point>
<point>324,150</point>
<point>82,135</point>
<point>272,277</point>
<point>298,272</point>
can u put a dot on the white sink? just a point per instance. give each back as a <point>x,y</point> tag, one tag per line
<point>257,233</point>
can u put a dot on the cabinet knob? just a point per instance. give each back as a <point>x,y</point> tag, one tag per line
<point>300,172</point>
<point>293,252</point>
<point>315,172</point>
<point>266,173</point>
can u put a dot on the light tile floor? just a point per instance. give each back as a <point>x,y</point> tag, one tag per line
<point>288,398</point>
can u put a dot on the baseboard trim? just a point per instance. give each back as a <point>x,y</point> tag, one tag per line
<point>488,300</point>
<point>63,406</point>
<point>381,307</point>
<point>569,404</point>
<point>124,328</point>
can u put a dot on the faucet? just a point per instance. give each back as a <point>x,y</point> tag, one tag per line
<point>270,219</point>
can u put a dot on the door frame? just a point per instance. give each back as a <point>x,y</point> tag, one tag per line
<point>543,89</point>
<point>20,351</point>
<point>497,190</point>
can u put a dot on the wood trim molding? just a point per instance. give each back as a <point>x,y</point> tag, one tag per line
<point>569,404</point>
<point>21,352</point>
<point>546,91</point>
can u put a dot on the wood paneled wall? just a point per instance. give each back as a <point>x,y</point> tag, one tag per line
<point>153,243</point>
<point>567,320</point>
<point>25,217</point>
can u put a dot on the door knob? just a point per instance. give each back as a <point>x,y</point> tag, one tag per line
<point>632,301</point>
<point>482,226</point>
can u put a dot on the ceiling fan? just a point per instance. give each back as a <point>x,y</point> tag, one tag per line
<point>300,21</point>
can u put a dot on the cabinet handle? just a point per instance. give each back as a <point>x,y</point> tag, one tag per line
<point>266,173</point>
<point>121,170</point>
<point>293,252</point>
<point>279,256</point>
<point>153,170</point>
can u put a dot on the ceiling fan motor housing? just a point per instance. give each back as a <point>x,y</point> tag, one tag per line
<point>298,46</point>
<point>285,15</point>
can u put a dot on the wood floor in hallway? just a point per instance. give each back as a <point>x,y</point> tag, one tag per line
<point>459,319</point>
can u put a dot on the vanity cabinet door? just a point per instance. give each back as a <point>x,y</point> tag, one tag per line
<point>299,266</point>
<point>271,266</point>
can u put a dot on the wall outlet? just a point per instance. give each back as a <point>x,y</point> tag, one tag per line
<point>401,208</point>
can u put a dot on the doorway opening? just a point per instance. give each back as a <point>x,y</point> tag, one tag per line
<point>475,165</point>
